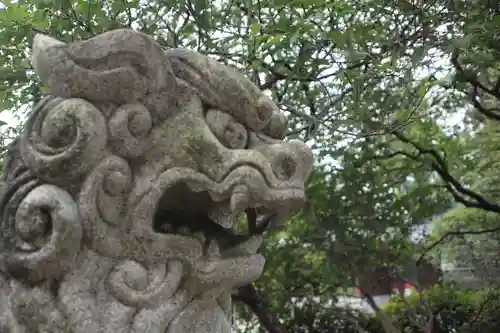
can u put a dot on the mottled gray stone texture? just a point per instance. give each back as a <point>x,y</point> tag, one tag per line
<point>121,198</point>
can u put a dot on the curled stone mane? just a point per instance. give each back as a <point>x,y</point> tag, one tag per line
<point>121,198</point>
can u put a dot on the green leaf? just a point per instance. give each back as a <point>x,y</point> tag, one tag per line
<point>463,42</point>
<point>276,39</point>
<point>337,37</point>
<point>117,6</point>
<point>418,55</point>
<point>26,64</point>
<point>44,90</point>
<point>17,13</point>
<point>422,90</point>
<point>279,3</point>
<point>295,37</point>
<point>189,29</point>
<point>307,2</point>
<point>255,28</point>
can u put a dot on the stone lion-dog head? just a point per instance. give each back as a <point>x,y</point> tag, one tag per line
<point>122,195</point>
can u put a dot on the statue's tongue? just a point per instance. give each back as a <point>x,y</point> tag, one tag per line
<point>201,316</point>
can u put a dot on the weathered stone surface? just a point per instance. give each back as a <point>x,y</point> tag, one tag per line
<point>121,197</point>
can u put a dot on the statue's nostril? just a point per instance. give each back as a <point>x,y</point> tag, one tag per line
<point>286,168</point>
<point>264,112</point>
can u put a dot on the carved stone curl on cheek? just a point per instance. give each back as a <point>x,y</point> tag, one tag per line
<point>229,132</point>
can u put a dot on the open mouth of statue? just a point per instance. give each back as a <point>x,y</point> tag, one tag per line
<point>184,212</point>
<point>221,221</point>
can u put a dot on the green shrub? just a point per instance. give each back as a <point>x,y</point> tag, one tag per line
<point>453,310</point>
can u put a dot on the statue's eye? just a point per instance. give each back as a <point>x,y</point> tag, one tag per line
<point>229,132</point>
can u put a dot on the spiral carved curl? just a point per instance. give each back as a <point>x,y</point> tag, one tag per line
<point>63,139</point>
<point>139,286</point>
<point>47,231</point>
<point>129,128</point>
<point>101,202</point>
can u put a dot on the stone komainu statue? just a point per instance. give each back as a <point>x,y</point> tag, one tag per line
<point>121,196</point>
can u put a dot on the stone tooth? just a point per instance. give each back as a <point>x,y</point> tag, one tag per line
<point>27,247</point>
<point>184,231</point>
<point>222,215</point>
<point>213,250</point>
<point>224,301</point>
<point>215,196</point>
<point>240,198</point>
<point>166,228</point>
<point>199,236</point>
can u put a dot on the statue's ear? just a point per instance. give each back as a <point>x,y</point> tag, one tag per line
<point>119,66</point>
<point>43,46</point>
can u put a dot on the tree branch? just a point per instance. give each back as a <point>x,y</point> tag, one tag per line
<point>472,79</point>
<point>450,234</point>
<point>459,191</point>
<point>251,297</point>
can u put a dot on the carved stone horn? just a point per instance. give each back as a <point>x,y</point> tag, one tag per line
<point>120,66</point>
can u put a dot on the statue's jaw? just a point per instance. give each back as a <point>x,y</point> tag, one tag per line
<point>203,315</point>
<point>215,211</point>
